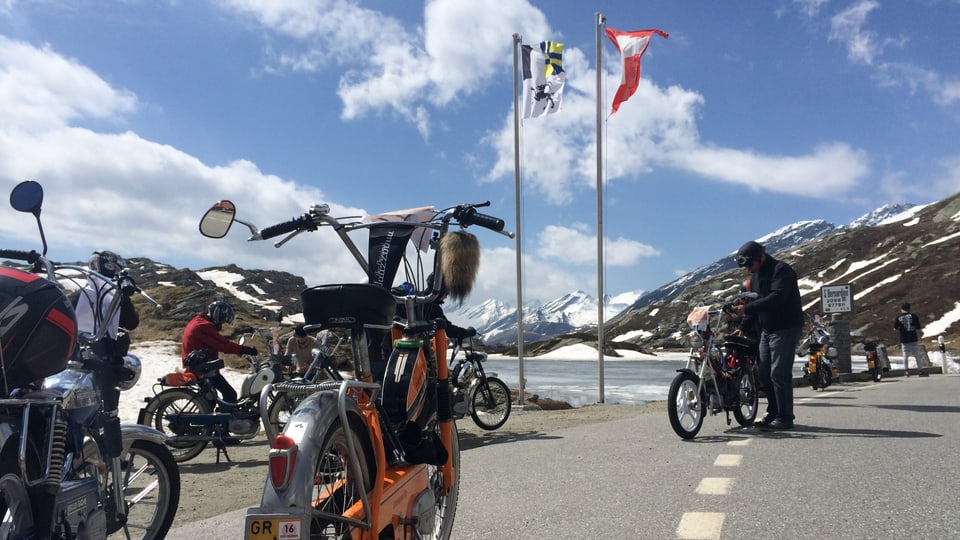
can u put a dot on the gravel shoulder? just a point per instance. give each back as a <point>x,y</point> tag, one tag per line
<point>210,489</point>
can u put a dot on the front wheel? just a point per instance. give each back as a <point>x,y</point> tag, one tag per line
<point>151,491</point>
<point>161,413</point>
<point>745,410</point>
<point>279,412</point>
<point>16,518</point>
<point>876,371</point>
<point>685,407</point>
<point>826,375</point>
<point>490,403</point>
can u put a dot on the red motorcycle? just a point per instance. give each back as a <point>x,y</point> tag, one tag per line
<point>873,359</point>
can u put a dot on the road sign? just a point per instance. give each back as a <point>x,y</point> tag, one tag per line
<point>836,298</point>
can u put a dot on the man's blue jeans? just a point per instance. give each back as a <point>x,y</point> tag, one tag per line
<point>777,350</point>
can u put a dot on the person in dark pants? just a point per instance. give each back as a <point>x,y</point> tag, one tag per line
<point>779,314</point>
<point>203,333</point>
<point>907,324</point>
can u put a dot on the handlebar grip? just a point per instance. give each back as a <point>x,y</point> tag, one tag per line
<point>29,256</point>
<point>302,222</point>
<point>470,216</point>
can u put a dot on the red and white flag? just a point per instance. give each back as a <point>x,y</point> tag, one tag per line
<point>631,45</point>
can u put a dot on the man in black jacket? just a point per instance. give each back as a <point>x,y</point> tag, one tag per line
<point>780,316</point>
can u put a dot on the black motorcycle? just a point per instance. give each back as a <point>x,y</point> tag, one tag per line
<point>475,392</point>
<point>68,468</point>
<point>187,407</point>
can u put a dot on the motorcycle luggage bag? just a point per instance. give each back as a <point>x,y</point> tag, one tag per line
<point>351,305</point>
<point>38,329</point>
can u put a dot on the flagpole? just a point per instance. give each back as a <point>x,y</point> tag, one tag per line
<point>600,20</point>
<point>516,165</point>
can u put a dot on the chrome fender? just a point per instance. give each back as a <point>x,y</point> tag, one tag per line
<point>307,427</point>
<point>134,432</point>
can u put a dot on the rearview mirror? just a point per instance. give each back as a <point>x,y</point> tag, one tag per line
<point>217,220</point>
<point>27,197</point>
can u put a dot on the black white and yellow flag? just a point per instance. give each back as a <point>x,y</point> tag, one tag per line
<point>543,79</point>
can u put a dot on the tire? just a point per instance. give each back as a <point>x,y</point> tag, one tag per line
<point>446,505</point>
<point>337,484</point>
<point>279,411</point>
<point>747,398</point>
<point>825,376</point>
<point>876,372</point>
<point>174,400</point>
<point>16,519</point>
<point>490,403</point>
<point>814,378</point>
<point>684,407</point>
<point>151,489</point>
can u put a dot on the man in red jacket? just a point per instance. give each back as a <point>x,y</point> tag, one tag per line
<point>203,333</point>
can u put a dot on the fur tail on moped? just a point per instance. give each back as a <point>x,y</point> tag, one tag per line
<point>460,259</point>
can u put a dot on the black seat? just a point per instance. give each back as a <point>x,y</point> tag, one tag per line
<point>741,345</point>
<point>353,306</point>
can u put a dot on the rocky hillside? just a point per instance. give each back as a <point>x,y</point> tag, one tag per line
<point>912,260</point>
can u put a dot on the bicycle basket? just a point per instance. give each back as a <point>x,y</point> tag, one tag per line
<point>699,318</point>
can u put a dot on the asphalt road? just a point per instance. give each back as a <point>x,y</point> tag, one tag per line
<point>866,460</point>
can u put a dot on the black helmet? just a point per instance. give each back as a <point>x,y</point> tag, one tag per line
<point>107,263</point>
<point>749,252</point>
<point>220,312</point>
<point>39,329</point>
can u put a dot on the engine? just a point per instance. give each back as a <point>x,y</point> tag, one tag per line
<point>77,512</point>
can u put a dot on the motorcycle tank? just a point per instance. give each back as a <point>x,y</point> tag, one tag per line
<point>81,399</point>
<point>253,384</point>
<point>38,328</point>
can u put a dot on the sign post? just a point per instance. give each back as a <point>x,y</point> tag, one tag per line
<point>838,299</point>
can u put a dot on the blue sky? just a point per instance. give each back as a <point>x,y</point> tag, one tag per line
<point>137,115</point>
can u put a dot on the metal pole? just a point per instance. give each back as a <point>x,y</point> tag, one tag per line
<point>600,20</point>
<point>516,165</point>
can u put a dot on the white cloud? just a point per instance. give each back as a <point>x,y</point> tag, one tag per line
<point>392,68</point>
<point>40,89</point>
<point>128,194</point>
<point>578,245</point>
<point>848,27</point>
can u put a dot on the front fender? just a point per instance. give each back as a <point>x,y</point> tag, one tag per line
<point>134,432</point>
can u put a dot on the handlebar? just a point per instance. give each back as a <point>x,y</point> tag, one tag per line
<point>468,215</point>
<point>29,256</point>
<point>302,223</point>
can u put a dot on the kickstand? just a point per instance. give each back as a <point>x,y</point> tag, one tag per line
<point>223,448</point>
<point>728,418</point>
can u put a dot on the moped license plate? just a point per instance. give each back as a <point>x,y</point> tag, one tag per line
<point>273,527</point>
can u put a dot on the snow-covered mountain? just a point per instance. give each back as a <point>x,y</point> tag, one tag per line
<point>497,321</point>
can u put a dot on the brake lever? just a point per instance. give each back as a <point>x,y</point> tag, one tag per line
<point>286,238</point>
